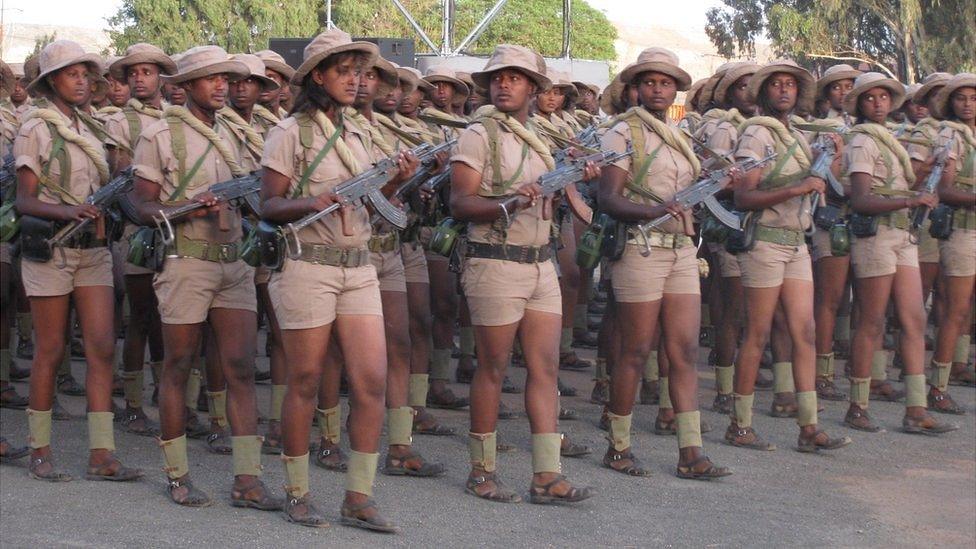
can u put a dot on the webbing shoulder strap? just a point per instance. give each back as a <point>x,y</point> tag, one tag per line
<point>642,161</point>
<point>59,153</point>
<point>135,124</point>
<point>499,187</point>
<point>178,145</point>
<point>307,173</point>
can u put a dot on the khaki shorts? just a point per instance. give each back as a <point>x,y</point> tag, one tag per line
<point>881,254</point>
<point>90,267</point>
<point>928,246</point>
<point>767,265</point>
<point>306,295</point>
<point>499,292</point>
<point>728,264</point>
<point>414,264</point>
<point>639,279</point>
<point>389,271</point>
<point>5,253</point>
<point>188,288</point>
<point>129,268</point>
<point>959,253</point>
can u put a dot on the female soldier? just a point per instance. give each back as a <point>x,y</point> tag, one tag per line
<point>508,280</point>
<point>777,267</point>
<point>884,255</point>
<point>956,105</point>
<point>664,284</point>
<point>333,283</point>
<point>60,163</point>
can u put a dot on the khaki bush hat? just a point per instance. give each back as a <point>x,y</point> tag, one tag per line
<point>611,100</point>
<point>693,95</point>
<point>277,63</point>
<point>32,68</point>
<point>805,94</point>
<point>201,61</point>
<point>329,43</point>
<point>842,71</point>
<point>660,60</point>
<point>731,76</point>
<point>707,89</point>
<point>443,73</point>
<point>509,56</point>
<point>141,53</point>
<point>931,84</point>
<point>255,69</point>
<point>869,81</point>
<point>562,80</point>
<point>7,79</point>
<point>910,92</point>
<point>413,77</point>
<point>18,69</point>
<point>961,80</point>
<point>58,55</point>
<point>580,86</point>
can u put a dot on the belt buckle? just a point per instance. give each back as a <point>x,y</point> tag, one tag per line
<point>669,241</point>
<point>223,253</point>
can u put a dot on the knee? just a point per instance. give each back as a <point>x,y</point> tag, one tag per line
<point>304,384</point>
<point>371,387</point>
<point>238,369</point>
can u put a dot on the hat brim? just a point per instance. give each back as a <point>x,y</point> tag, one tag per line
<point>9,80</point>
<point>93,61</point>
<point>267,84</point>
<point>805,96</point>
<point>369,48</point>
<point>118,69</point>
<point>730,78</point>
<point>894,87</point>
<point>233,68</point>
<point>941,105</point>
<point>281,68</point>
<point>921,96</point>
<point>680,76</point>
<point>483,78</point>
<point>828,80</point>
<point>612,97</point>
<point>460,88</point>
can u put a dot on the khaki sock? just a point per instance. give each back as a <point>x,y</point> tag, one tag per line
<point>38,428</point>
<point>566,341</point>
<point>601,369</point>
<point>664,393</point>
<point>100,434</point>
<point>915,391</point>
<point>619,434</point>
<point>879,366</point>
<point>193,384</point>
<point>217,403</point>
<point>783,377</point>
<point>330,424</point>
<point>689,429</point>
<point>723,379</point>
<point>361,472</point>
<point>545,452</point>
<point>939,375</point>
<point>417,392</point>
<point>483,450</point>
<point>651,370</point>
<point>132,384</point>
<point>246,451</point>
<point>25,326</point>
<point>466,340</point>
<point>806,403</point>
<point>440,364</point>
<point>860,391</point>
<point>742,409</point>
<point>961,353</point>
<point>5,362</point>
<point>399,422</point>
<point>825,366</point>
<point>277,399</point>
<point>175,462</point>
<point>296,475</point>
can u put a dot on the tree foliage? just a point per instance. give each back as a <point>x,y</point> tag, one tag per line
<point>906,38</point>
<point>246,25</point>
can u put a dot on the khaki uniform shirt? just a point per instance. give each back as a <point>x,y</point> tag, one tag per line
<point>794,213</point>
<point>864,155</point>
<point>32,149</point>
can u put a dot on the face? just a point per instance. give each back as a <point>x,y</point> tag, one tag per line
<point>587,100</point>
<point>174,94</point>
<point>387,104</point>
<point>118,92</point>
<point>475,101</point>
<point>209,92</point>
<point>739,96</point>
<point>340,79</point>
<point>143,80</point>
<point>963,104</point>
<point>268,97</point>
<point>442,96</point>
<point>781,91</point>
<point>244,93</point>
<point>550,100</point>
<point>19,94</point>
<point>410,103</point>
<point>915,112</point>
<point>369,85</point>
<point>285,95</point>
<point>837,91</point>
<point>98,92</point>
<point>511,90</point>
<point>72,84</point>
<point>875,104</point>
<point>656,90</point>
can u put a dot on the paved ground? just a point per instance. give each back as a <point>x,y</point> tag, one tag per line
<point>888,489</point>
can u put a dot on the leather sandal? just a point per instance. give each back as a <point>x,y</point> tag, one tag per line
<point>763,383</point>
<point>12,453</point>
<point>10,398</point>
<point>509,387</point>
<point>635,469</point>
<point>544,495</point>
<point>568,414</point>
<point>375,523</point>
<point>322,456</point>
<point>565,390</point>
<point>148,428</point>
<point>193,498</point>
<point>399,466</point>
<point>446,400</point>
<point>218,442</point>
<point>426,424</point>
<point>722,404</point>
<point>263,501</point>
<point>784,405</point>
<point>747,437</point>
<point>601,391</point>
<point>271,446</point>
<point>665,428</point>
<point>569,361</point>
<point>67,385</point>
<point>827,390</point>
<point>886,392</point>
<point>304,512</point>
<point>962,378</point>
<point>926,425</point>
<point>194,428</point>
<point>500,493</point>
<point>585,340</point>
<point>107,472</point>
<point>568,448</point>
<point>820,441</point>
<point>650,393</point>
<point>51,476</point>
<point>942,403</point>
<point>261,376</point>
<point>859,419</point>
<point>701,469</point>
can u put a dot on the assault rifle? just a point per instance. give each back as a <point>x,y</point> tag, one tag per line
<point>233,191</point>
<point>103,199</point>
<point>932,183</point>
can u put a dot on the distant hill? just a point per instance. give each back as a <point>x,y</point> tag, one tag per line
<point>18,40</point>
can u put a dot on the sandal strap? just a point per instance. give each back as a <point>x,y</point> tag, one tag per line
<point>368,504</point>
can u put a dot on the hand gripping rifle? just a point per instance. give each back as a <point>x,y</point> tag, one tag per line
<point>427,155</point>
<point>826,152</point>
<point>233,191</point>
<point>703,192</point>
<point>932,183</point>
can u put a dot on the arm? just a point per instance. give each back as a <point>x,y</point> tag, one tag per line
<point>276,208</point>
<point>467,205</point>
<point>28,203</point>
<point>612,201</point>
<point>748,197</point>
<point>863,202</point>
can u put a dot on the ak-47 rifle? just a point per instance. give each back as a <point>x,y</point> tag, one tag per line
<point>7,174</point>
<point>427,155</point>
<point>826,153</point>
<point>233,191</point>
<point>703,192</point>
<point>103,199</point>
<point>941,155</point>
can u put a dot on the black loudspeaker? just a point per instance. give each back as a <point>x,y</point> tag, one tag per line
<point>397,50</point>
